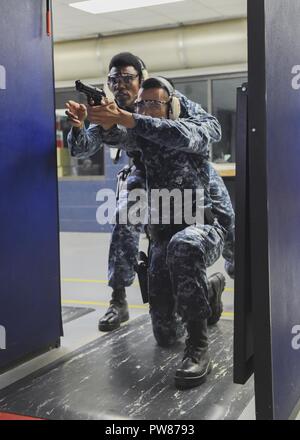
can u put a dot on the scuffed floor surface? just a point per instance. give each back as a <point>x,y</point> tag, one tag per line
<point>126,375</point>
<point>71,313</point>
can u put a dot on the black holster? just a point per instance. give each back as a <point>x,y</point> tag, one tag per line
<point>142,272</point>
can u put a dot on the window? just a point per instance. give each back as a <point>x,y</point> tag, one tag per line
<point>224,108</point>
<point>69,166</point>
<point>217,95</point>
<point>194,89</point>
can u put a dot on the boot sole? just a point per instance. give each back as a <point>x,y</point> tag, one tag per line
<point>218,309</point>
<point>107,327</point>
<point>185,383</point>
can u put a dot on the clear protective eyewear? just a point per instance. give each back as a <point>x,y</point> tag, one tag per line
<point>126,79</point>
<point>148,104</point>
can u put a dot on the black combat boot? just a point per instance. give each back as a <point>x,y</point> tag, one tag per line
<point>216,286</point>
<point>116,313</point>
<point>196,363</point>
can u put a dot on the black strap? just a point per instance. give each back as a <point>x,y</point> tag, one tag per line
<point>122,176</point>
<point>117,158</point>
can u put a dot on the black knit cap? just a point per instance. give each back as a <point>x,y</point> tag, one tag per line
<point>125,59</point>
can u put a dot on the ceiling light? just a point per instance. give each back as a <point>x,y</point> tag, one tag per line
<point>103,6</point>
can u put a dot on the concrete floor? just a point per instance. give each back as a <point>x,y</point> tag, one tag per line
<point>84,275</point>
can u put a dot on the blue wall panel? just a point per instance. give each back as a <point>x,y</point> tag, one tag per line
<point>274,109</point>
<point>283,161</point>
<point>29,256</point>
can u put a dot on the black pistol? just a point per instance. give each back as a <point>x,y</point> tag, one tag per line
<point>93,94</point>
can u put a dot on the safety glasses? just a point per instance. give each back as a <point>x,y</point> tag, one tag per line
<point>148,104</point>
<point>112,80</point>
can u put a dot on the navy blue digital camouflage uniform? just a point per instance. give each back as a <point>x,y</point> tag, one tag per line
<point>124,244</point>
<point>175,155</point>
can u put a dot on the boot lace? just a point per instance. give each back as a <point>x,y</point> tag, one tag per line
<point>192,352</point>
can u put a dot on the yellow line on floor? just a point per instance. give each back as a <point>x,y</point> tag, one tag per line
<point>78,280</point>
<point>99,303</point>
<point>228,314</point>
<point>83,281</point>
<point>131,306</point>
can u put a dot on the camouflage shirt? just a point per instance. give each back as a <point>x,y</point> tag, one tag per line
<point>175,154</point>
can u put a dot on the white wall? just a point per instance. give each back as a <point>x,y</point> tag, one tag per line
<point>203,49</point>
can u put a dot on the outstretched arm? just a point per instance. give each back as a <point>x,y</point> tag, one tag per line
<point>84,142</point>
<point>191,135</point>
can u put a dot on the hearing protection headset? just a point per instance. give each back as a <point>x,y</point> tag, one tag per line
<point>145,74</point>
<point>174,104</point>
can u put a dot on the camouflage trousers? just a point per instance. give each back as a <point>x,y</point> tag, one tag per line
<point>124,244</point>
<point>178,285</point>
<point>123,253</point>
